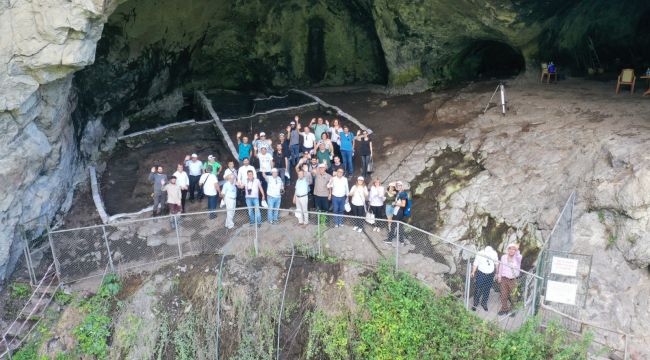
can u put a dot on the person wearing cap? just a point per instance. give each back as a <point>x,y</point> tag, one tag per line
<point>253,189</point>
<point>483,273</point>
<point>244,149</point>
<point>173,192</point>
<point>308,140</point>
<point>280,160</point>
<point>399,205</point>
<point>322,193</point>
<point>216,167</point>
<point>347,147</point>
<point>364,145</point>
<point>274,191</point>
<point>293,132</point>
<point>210,186</point>
<point>194,169</point>
<point>358,197</point>
<point>229,195</point>
<point>260,143</point>
<point>301,197</point>
<point>376,197</point>
<point>319,127</point>
<point>507,273</point>
<point>159,180</point>
<point>340,190</point>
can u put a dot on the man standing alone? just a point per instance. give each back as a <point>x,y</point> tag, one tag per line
<point>194,167</point>
<point>159,180</point>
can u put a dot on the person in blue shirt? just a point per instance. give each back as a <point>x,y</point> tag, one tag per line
<point>245,149</point>
<point>347,147</point>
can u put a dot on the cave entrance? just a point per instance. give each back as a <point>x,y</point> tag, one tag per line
<point>484,59</point>
<point>315,64</point>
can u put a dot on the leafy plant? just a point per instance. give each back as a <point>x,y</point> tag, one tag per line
<point>61,298</point>
<point>611,240</point>
<point>601,216</point>
<point>185,340</point>
<point>20,291</point>
<point>328,336</point>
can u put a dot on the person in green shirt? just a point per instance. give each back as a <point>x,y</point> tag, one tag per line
<point>323,155</point>
<point>318,127</point>
<point>216,167</point>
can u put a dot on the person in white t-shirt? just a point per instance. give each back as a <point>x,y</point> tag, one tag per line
<point>358,197</point>
<point>308,140</point>
<point>483,271</point>
<point>241,178</point>
<point>194,169</point>
<point>183,181</point>
<point>266,162</point>
<point>210,185</point>
<point>274,191</point>
<point>340,191</point>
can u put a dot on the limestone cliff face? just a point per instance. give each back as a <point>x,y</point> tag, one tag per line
<point>42,44</point>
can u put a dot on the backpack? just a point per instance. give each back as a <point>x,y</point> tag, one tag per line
<point>409,202</point>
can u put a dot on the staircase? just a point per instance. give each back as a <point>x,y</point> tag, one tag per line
<point>30,315</point>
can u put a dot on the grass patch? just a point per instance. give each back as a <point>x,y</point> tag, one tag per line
<point>20,291</point>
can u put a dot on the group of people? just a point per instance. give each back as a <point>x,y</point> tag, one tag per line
<point>484,269</point>
<point>323,170</point>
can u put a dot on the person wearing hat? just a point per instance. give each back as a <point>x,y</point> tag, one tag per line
<point>274,191</point>
<point>340,190</point>
<point>260,143</point>
<point>194,170</point>
<point>358,197</point>
<point>216,167</point>
<point>483,272</point>
<point>507,273</point>
<point>322,194</point>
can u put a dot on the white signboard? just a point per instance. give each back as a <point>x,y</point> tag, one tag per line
<point>561,292</point>
<point>564,266</point>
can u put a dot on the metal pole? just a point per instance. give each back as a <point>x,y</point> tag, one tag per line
<point>503,99</point>
<point>9,349</point>
<point>397,248</point>
<point>178,237</point>
<point>468,281</point>
<point>625,354</point>
<point>110,258</point>
<point>319,235</point>
<point>28,260</point>
<point>57,267</point>
<point>255,244</point>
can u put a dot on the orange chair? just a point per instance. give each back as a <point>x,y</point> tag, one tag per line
<point>547,74</point>
<point>626,77</point>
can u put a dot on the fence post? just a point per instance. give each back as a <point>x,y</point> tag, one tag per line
<point>533,307</point>
<point>319,234</point>
<point>468,283</point>
<point>57,267</point>
<point>397,248</point>
<point>255,244</point>
<point>178,237</point>
<point>28,257</point>
<point>9,349</point>
<point>108,249</point>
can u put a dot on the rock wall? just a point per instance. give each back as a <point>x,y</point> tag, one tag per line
<point>42,44</point>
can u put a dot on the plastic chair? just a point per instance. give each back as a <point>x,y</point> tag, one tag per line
<point>547,74</point>
<point>626,77</point>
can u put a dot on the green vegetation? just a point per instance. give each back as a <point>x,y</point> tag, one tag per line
<point>611,240</point>
<point>398,318</point>
<point>185,340</point>
<point>95,329</point>
<point>20,291</point>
